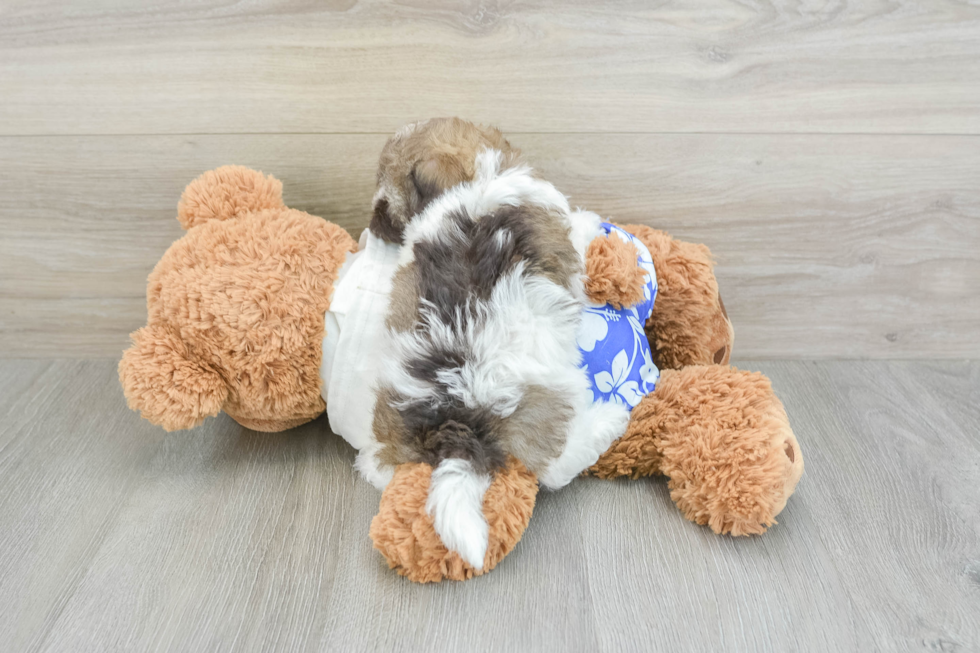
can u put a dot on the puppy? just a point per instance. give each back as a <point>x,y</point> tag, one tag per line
<point>482,355</point>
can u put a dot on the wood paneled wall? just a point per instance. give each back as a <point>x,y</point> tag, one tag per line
<point>829,154</point>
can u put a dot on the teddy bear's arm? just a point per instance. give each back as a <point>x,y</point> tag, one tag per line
<point>613,274</point>
<point>169,386</point>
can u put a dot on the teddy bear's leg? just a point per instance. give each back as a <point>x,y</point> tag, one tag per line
<point>311,412</point>
<point>404,533</point>
<point>168,385</point>
<point>723,439</point>
<point>689,325</point>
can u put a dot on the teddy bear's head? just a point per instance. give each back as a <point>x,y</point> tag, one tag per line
<point>235,309</point>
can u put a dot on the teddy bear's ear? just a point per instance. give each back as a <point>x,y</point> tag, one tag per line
<point>165,384</point>
<point>227,192</point>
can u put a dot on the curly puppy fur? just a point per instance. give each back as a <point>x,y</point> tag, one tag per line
<point>404,533</point>
<point>499,286</point>
<point>236,310</point>
<point>689,325</point>
<point>722,437</point>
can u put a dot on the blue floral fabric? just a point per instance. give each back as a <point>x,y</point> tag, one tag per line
<point>615,350</point>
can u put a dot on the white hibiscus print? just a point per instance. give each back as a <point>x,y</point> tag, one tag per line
<point>648,371</point>
<point>617,384</point>
<point>593,328</point>
<point>623,235</point>
<point>634,320</point>
<point>604,330</point>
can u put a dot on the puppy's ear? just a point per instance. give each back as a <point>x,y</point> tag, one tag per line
<point>438,174</point>
<point>426,181</point>
<point>384,225</point>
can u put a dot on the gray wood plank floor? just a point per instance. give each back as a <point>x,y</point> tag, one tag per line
<point>117,536</point>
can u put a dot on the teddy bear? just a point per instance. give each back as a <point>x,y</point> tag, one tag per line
<point>243,318</point>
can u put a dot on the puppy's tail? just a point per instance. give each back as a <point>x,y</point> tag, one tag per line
<point>455,503</point>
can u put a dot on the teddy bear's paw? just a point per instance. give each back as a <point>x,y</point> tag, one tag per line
<point>167,384</point>
<point>612,274</point>
<point>404,532</point>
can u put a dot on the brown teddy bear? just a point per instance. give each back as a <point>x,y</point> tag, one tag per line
<point>237,313</point>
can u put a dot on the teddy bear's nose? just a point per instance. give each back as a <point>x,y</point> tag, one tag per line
<point>790,452</point>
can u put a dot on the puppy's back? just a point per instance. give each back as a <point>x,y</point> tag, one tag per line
<point>481,355</point>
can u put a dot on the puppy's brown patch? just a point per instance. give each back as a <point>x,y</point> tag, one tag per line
<point>535,432</point>
<point>389,430</point>
<point>422,161</point>
<point>382,226</point>
<point>403,308</point>
<point>554,256</point>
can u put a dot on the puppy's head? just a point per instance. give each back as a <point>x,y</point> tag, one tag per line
<point>421,161</point>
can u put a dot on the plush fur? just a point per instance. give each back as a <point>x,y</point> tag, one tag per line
<point>613,277</point>
<point>722,437</point>
<point>689,325</point>
<point>236,310</point>
<point>225,193</point>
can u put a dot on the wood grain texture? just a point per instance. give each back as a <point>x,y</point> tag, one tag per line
<point>116,536</point>
<point>544,66</point>
<point>828,246</point>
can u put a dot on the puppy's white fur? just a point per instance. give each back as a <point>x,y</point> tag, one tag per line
<point>524,335</point>
<point>585,227</point>
<point>592,432</point>
<point>370,468</point>
<point>455,504</point>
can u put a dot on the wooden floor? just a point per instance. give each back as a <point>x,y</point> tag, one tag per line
<point>117,536</point>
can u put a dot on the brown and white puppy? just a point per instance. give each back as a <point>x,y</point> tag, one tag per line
<point>481,353</point>
<point>424,159</point>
